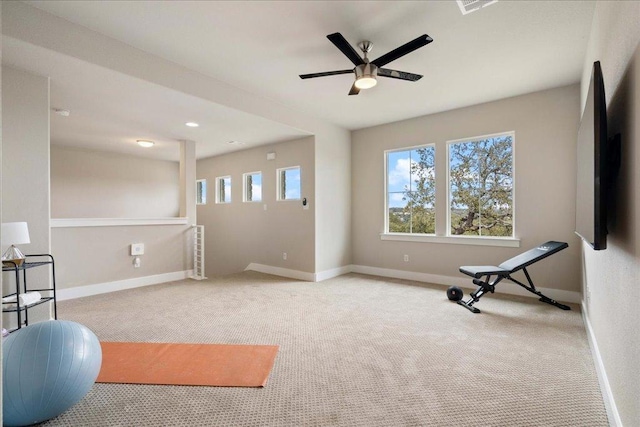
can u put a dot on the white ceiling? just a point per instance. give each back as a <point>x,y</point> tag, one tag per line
<point>507,49</point>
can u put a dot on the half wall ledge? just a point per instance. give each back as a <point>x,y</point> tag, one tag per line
<point>111,222</point>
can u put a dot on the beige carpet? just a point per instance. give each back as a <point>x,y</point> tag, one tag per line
<point>354,351</point>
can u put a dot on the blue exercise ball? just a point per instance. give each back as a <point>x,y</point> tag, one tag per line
<point>47,368</point>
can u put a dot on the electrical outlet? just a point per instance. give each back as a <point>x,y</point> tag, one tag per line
<point>284,255</point>
<point>406,258</point>
<point>136,262</point>
<point>137,249</point>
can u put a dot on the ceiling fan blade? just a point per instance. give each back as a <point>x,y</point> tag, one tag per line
<point>354,90</point>
<point>406,48</point>
<point>402,75</point>
<point>344,46</point>
<point>326,73</point>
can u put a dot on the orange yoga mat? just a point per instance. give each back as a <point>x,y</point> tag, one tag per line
<point>219,365</point>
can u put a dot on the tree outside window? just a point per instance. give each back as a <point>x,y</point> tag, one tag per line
<point>253,187</point>
<point>201,192</point>
<point>411,191</point>
<point>223,189</point>
<point>481,187</point>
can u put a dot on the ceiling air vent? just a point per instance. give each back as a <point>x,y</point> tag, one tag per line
<point>468,6</point>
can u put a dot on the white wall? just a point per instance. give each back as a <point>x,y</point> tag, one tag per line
<point>188,181</point>
<point>25,169</point>
<point>91,184</point>
<point>240,233</point>
<point>545,125</point>
<point>94,184</point>
<point>333,200</point>
<point>101,255</point>
<point>611,277</point>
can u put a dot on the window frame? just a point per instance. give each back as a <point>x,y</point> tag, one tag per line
<point>218,179</point>
<point>513,185</point>
<point>245,189</point>
<point>279,172</point>
<point>203,198</point>
<point>386,190</point>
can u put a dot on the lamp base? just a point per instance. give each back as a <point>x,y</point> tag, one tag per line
<point>13,255</point>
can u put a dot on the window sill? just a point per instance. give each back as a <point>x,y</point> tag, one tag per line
<point>509,242</point>
<point>110,222</point>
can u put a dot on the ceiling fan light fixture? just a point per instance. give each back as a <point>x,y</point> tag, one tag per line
<point>366,72</point>
<point>366,76</point>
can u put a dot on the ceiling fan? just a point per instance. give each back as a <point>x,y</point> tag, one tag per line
<point>367,71</point>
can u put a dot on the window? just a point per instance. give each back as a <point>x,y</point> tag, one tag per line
<point>252,187</point>
<point>411,191</point>
<point>201,192</point>
<point>289,183</point>
<point>476,191</point>
<point>223,189</point>
<point>481,186</point>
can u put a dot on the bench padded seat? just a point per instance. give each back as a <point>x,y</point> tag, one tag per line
<point>477,271</point>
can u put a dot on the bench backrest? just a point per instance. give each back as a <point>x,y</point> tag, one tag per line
<point>533,255</point>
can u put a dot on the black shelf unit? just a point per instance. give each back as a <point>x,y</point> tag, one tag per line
<point>21,286</point>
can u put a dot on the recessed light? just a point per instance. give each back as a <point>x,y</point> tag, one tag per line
<point>235,143</point>
<point>192,124</point>
<point>145,143</point>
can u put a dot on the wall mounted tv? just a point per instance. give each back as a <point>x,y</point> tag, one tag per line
<point>593,165</point>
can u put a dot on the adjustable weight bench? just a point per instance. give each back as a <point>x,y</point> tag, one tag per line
<point>482,276</point>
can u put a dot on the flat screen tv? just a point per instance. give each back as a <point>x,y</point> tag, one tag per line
<point>592,166</point>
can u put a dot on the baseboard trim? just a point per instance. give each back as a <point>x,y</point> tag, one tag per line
<point>119,285</point>
<point>463,282</point>
<point>410,275</point>
<point>284,272</point>
<point>605,388</point>
<point>334,272</point>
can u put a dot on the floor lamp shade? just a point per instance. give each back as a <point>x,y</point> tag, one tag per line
<point>14,233</point>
